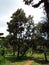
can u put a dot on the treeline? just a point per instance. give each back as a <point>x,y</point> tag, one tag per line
<point>25,34</point>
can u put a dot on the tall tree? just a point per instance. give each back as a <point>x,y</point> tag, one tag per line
<point>28,34</point>
<point>15,27</point>
<point>45,26</point>
<point>46,7</point>
<point>42,38</point>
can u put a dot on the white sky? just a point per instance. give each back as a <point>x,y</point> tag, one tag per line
<point>8,7</point>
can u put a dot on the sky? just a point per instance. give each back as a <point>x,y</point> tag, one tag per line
<point>8,7</point>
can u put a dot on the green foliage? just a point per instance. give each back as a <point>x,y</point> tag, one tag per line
<point>45,26</point>
<point>2,60</point>
<point>20,41</point>
<point>36,58</point>
<point>15,28</point>
<point>18,19</point>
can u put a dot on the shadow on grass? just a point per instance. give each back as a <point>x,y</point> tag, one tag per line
<point>13,59</point>
<point>16,59</point>
<point>40,60</point>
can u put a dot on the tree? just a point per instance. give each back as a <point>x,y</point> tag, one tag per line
<point>43,39</point>
<point>15,27</point>
<point>28,35</point>
<point>29,27</point>
<point>46,7</point>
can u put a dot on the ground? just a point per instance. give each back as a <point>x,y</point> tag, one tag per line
<point>34,59</point>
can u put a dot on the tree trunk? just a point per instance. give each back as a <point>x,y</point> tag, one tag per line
<point>26,48</point>
<point>45,56</point>
<point>45,53</point>
<point>18,51</point>
<point>46,5</point>
<point>14,49</point>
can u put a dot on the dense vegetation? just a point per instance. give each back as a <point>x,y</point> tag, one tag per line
<point>26,40</point>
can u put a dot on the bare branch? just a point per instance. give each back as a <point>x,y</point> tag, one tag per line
<point>37,5</point>
<point>27,1</point>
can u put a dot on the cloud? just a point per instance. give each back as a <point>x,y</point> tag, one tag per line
<point>8,7</point>
<point>3,30</point>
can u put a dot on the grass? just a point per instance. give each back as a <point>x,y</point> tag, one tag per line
<point>2,60</point>
<point>15,63</point>
<point>38,59</point>
<point>13,60</point>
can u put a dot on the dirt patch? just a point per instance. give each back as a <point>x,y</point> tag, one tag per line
<point>28,62</point>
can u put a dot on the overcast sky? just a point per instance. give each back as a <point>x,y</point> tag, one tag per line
<point>7,7</point>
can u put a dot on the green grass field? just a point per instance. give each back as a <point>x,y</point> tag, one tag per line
<point>37,59</point>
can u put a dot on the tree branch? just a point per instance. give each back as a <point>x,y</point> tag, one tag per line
<point>37,5</point>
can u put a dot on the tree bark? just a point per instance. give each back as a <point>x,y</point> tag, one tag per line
<point>45,53</point>
<point>18,51</point>
<point>14,47</point>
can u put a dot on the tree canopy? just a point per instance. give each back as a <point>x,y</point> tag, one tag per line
<point>46,8</point>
